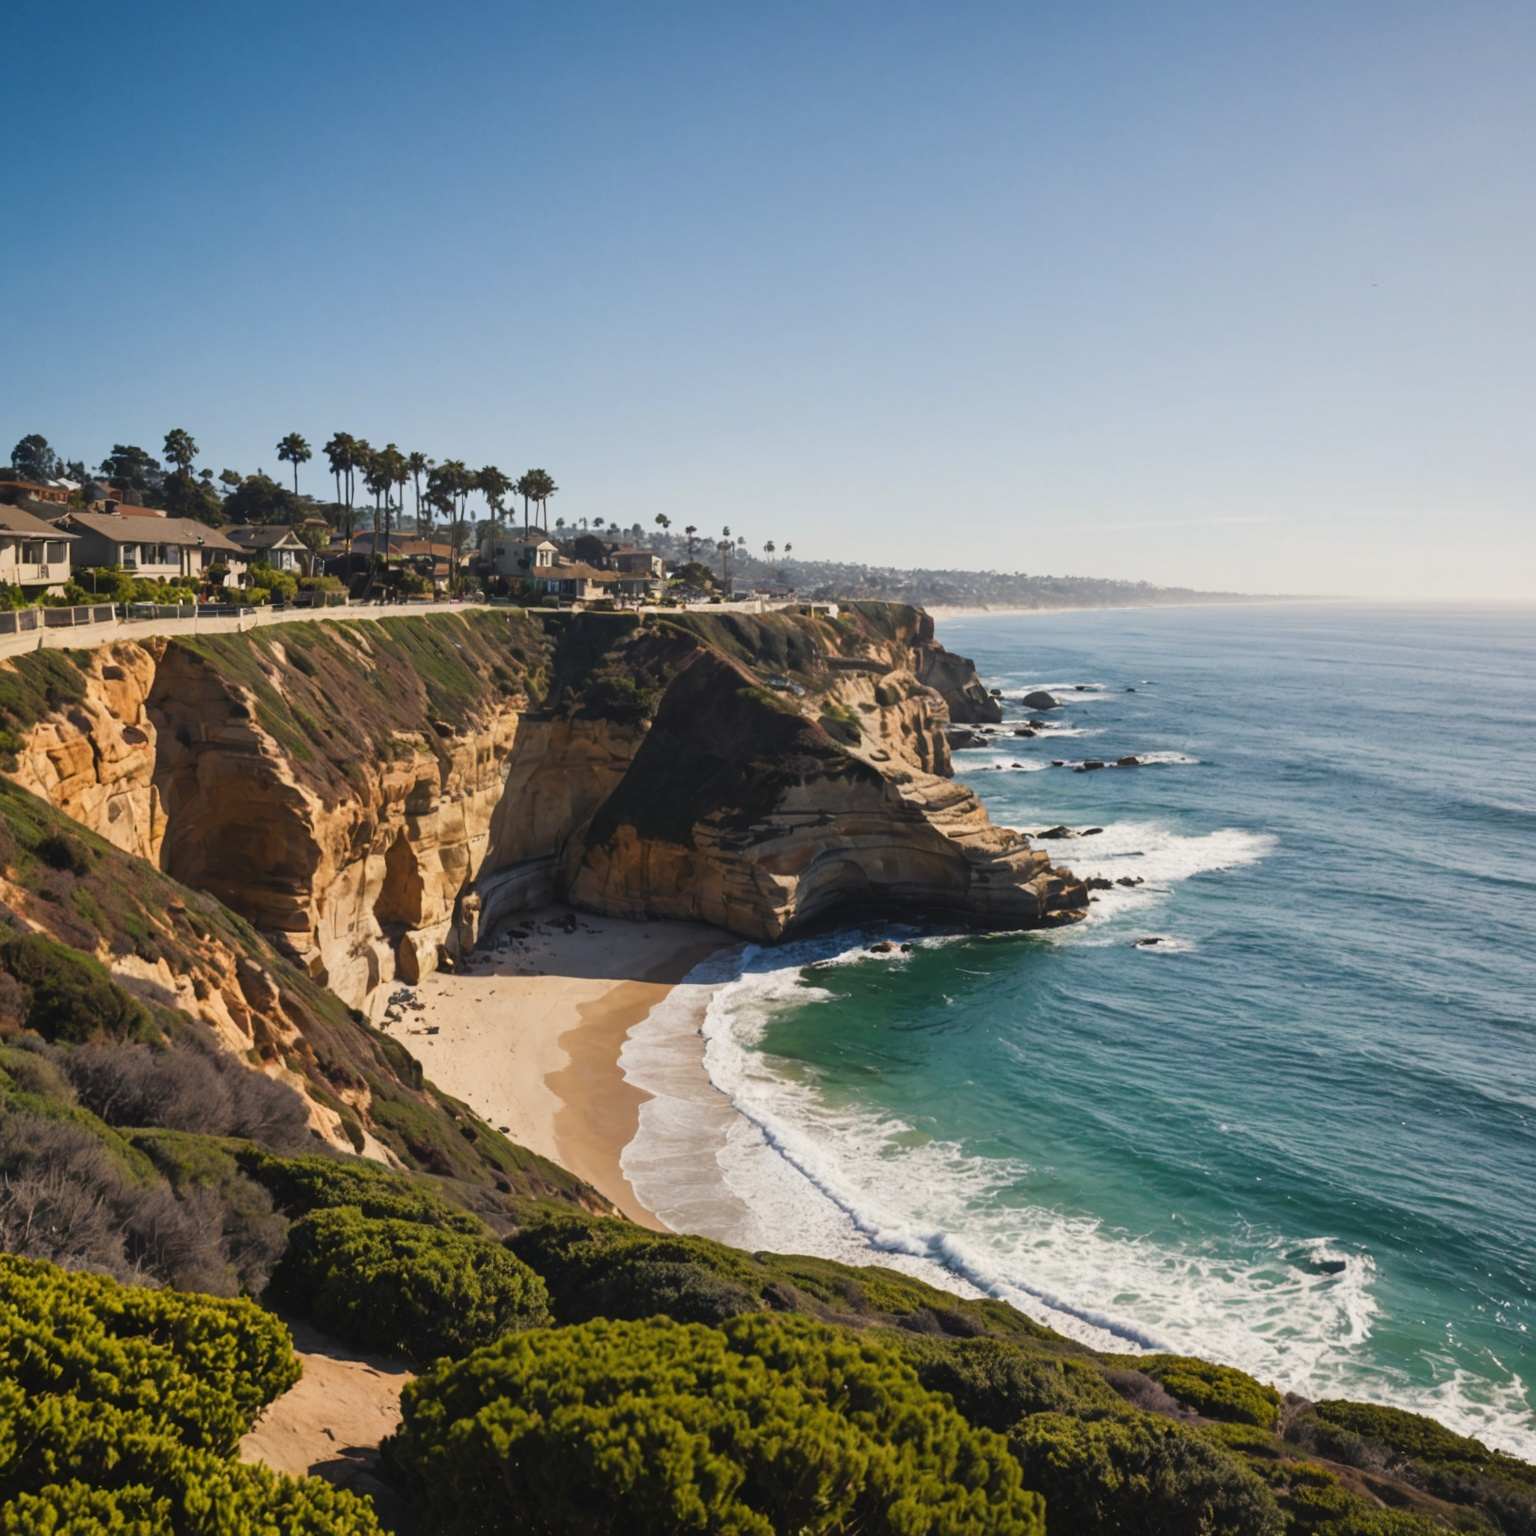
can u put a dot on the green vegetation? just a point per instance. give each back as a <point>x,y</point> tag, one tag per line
<point>1139,1475</point>
<point>120,1409</point>
<point>764,1425</point>
<point>1217,1391</point>
<point>65,995</point>
<point>205,1366</point>
<point>603,1267</point>
<point>409,1289</point>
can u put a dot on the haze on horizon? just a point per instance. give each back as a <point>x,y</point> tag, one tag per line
<point>1224,296</point>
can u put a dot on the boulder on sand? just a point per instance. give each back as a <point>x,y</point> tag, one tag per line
<point>1040,699</point>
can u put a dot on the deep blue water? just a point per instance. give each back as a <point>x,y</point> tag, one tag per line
<point>1298,1134</point>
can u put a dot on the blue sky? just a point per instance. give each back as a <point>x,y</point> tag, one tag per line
<point>1224,294</point>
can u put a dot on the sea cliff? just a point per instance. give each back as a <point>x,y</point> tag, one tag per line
<point>370,795</point>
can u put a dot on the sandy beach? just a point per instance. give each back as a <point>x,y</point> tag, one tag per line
<point>528,1033</point>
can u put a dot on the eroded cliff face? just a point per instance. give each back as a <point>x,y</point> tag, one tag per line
<point>373,796</point>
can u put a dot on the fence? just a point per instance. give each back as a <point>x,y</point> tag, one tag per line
<point>23,620</point>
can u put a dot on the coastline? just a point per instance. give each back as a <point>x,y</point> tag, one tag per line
<point>529,1030</point>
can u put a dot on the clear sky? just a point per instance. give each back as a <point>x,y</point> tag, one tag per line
<point>1228,294</point>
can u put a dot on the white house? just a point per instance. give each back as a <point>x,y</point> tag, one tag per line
<point>510,552</point>
<point>274,544</point>
<point>34,555</point>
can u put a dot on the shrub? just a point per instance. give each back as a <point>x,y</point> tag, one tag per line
<point>69,996</point>
<point>282,585</point>
<point>410,1289</point>
<point>605,1268</point>
<point>303,1184</point>
<point>1217,1391</point>
<point>186,1088</point>
<point>73,1192</point>
<point>996,1382</point>
<point>68,1465</point>
<point>1141,1476</point>
<point>200,1367</point>
<point>766,1425</point>
<point>1425,1453</point>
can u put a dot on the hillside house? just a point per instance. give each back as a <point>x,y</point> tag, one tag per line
<point>156,547</point>
<point>34,555</point>
<point>274,544</point>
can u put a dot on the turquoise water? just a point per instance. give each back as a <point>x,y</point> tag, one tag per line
<point>1298,1134</point>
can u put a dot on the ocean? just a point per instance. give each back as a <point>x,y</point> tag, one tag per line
<point>1298,1134</point>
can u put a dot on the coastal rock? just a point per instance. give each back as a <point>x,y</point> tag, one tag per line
<point>373,797</point>
<point>1099,883</point>
<point>962,738</point>
<point>1023,730</point>
<point>1130,880</point>
<point>1128,761</point>
<point>1056,833</point>
<point>1040,699</point>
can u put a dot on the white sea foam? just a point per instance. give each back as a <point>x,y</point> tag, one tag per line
<point>751,1150</point>
<point>757,1151</point>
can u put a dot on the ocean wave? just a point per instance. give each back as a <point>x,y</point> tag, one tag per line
<point>749,1149</point>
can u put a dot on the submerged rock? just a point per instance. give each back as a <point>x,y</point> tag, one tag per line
<point>1128,761</point>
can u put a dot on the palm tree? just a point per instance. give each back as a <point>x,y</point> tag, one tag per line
<point>769,548</point>
<point>341,453</point>
<point>494,486</point>
<point>396,472</point>
<point>524,487</point>
<point>180,450</point>
<point>294,449</point>
<point>693,539</point>
<point>536,485</point>
<point>663,521</point>
<point>376,481</point>
<point>418,464</point>
<point>724,548</point>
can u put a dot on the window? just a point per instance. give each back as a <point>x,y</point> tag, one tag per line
<point>32,553</point>
<point>58,553</point>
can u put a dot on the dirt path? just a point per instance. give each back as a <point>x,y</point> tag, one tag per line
<point>331,1422</point>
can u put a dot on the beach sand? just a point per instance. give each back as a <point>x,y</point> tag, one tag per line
<point>528,1033</point>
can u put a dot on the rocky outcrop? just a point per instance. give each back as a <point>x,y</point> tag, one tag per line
<point>953,678</point>
<point>373,795</point>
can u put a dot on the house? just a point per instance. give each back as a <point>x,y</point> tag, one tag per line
<point>638,588</point>
<point>640,562</point>
<point>14,491</point>
<point>509,552</point>
<point>154,546</point>
<point>34,555</point>
<point>576,582</point>
<point>274,544</point>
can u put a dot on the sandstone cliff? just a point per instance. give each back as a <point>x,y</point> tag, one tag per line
<point>370,794</point>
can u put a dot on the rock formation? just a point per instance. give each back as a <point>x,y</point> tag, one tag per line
<point>371,795</point>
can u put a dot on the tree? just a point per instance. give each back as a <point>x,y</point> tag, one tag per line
<point>180,450</point>
<point>394,470</point>
<point>129,468</point>
<point>769,548</point>
<point>418,464</point>
<point>536,485</point>
<point>494,486</point>
<point>32,459</point>
<point>294,449</point>
<point>693,539</point>
<point>229,479</point>
<point>663,521</point>
<point>341,452</point>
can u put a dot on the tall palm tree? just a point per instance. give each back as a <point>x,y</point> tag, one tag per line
<point>294,449</point>
<point>418,464</point>
<point>494,486</point>
<point>724,548</point>
<point>769,548</point>
<point>180,450</point>
<point>524,488</point>
<point>396,472</point>
<point>341,453</point>
<point>693,538</point>
<point>537,485</point>
<point>663,521</point>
